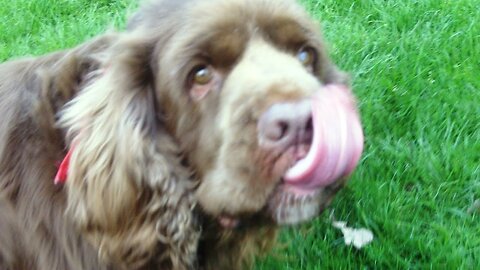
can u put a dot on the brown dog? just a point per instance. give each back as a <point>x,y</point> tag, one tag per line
<point>185,140</point>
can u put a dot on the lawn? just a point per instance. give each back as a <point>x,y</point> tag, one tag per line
<point>415,67</point>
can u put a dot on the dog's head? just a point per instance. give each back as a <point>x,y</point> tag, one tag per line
<point>264,118</point>
<point>242,90</point>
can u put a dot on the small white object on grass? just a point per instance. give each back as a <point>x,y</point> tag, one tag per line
<point>356,237</point>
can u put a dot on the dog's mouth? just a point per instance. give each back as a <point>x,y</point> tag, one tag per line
<point>315,165</point>
<point>336,144</point>
<point>320,162</point>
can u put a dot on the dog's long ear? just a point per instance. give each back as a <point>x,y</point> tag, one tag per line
<point>126,189</point>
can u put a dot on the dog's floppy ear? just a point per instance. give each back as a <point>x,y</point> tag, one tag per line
<point>126,189</point>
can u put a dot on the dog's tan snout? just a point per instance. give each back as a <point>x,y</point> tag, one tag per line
<point>284,124</point>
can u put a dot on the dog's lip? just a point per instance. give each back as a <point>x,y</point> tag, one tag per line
<point>228,221</point>
<point>337,141</point>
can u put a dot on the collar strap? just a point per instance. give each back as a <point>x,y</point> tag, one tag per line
<point>62,172</point>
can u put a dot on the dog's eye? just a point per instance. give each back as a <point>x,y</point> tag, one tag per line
<point>307,56</point>
<point>202,75</point>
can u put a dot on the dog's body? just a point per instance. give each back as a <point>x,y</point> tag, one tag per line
<point>174,163</point>
<point>33,232</point>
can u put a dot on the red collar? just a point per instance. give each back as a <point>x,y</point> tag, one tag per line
<point>62,172</point>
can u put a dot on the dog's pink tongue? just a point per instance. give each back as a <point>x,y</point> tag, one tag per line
<point>337,140</point>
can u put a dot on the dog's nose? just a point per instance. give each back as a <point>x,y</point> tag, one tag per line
<point>285,123</point>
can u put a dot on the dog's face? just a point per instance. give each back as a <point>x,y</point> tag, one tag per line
<point>249,93</point>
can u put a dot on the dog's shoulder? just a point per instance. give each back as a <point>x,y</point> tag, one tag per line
<point>33,90</point>
<point>50,80</point>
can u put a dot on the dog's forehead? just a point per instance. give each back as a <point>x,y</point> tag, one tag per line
<point>219,31</point>
<point>257,14</point>
<point>223,27</point>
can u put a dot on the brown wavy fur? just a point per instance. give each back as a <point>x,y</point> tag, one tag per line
<point>129,202</point>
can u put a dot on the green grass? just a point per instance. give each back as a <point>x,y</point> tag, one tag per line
<point>415,68</point>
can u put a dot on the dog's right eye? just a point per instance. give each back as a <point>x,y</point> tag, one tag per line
<point>202,75</point>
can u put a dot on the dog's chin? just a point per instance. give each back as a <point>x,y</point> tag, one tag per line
<point>290,205</point>
<point>294,202</point>
<point>286,205</point>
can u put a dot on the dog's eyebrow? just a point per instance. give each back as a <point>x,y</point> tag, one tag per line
<point>286,32</point>
<point>220,46</point>
<point>223,42</point>
<point>226,45</point>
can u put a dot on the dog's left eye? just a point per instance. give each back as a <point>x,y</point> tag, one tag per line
<point>306,55</point>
